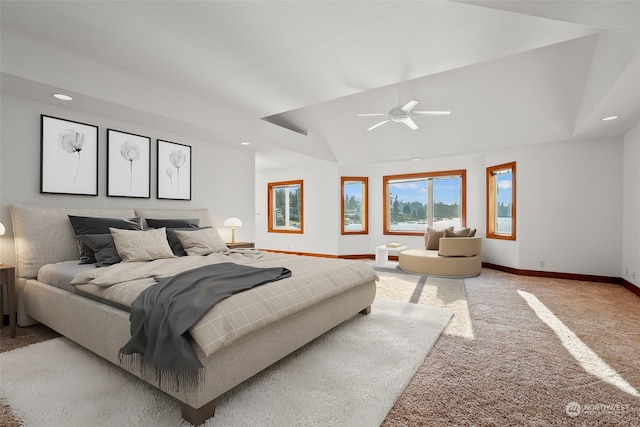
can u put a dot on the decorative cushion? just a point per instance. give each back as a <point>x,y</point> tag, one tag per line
<point>174,242</point>
<point>98,225</point>
<point>433,236</point>
<point>200,213</point>
<point>138,245</point>
<point>104,248</point>
<point>201,242</point>
<point>464,232</point>
<point>173,222</point>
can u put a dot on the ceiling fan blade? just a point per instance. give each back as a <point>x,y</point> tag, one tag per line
<point>430,113</point>
<point>409,106</point>
<point>376,125</point>
<point>372,114</point>
<point>410,123</point>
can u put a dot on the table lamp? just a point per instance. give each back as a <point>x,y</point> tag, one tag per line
<point>233,223</point>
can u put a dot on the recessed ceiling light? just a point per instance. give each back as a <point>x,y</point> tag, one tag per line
<point>62,96</point>
<point>245,143</point>
<point>606,119</point>
<point>416,159</point>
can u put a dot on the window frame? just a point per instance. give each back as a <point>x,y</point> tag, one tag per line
<point>492,201</point>
<point>462,173</point>
<point>365,204</point>
<point>271,187</point>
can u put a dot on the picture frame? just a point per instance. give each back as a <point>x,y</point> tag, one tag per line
<point>174,171</point>
<point>128,165</point>
<point>68,157</point>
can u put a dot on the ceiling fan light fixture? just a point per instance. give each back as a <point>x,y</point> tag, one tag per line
<point>404,114</point>
<point>399,118</point>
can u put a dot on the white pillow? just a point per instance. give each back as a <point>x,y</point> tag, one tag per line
<point>201,242</point>
<point>138,245</point>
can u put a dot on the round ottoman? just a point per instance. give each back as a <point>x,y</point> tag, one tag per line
<point>428,262</point>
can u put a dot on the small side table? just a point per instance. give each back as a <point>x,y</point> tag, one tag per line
<point>238,245</point>
<point>382,255</point>
<point>8,278</point>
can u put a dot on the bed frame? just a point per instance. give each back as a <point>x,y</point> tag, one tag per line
<point>43,235</point>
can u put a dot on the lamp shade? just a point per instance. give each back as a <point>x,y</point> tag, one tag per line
<point>1,229</point>
<point>232,222</point>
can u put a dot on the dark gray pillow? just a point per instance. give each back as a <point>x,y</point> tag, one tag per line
<point>98,225</point>
<point>173,222</point>
<point>103,247</point>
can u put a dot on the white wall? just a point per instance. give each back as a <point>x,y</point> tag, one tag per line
<point>569,206</point>
<point>569,201</point>
<point>631,208</point>
<point>222,176</point>
<point>321,208</point>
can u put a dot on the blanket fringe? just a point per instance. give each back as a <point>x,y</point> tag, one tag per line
<point>189,381</point>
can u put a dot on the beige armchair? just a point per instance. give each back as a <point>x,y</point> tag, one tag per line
<point>455,257</point>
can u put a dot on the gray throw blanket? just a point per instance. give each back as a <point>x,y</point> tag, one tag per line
<point>163,313</point>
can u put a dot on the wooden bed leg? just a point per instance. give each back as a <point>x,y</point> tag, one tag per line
<point>200,415</point>
<point>366,310</point>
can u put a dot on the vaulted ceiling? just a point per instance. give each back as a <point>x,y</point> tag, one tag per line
<point>290,77</point>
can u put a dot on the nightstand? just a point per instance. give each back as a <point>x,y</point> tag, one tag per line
<point>238,245</point>
<point>8,278</point>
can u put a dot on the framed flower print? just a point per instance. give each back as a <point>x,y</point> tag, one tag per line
<point>128,164</point>
<point>68,157</point>
<point>174,171</point>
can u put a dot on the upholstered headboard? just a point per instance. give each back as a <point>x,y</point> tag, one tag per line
<point>43,235</point>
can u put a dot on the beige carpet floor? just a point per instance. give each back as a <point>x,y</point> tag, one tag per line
<point>499,364</point>
<point>519,351</point>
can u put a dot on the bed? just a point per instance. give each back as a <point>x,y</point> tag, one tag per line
<point>330,292</point>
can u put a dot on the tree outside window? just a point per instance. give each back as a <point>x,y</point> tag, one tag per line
<point>414,202</point>
<point>501,201</point>
<point>285,201</point>
<point>354,213</point>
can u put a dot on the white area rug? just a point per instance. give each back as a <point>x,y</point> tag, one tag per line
<point>350,376</point>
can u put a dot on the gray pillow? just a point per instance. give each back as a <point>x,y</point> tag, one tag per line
<point>201,242</point>
<point>173,222</point>
<point>98,225</point>
<point>104,248</point>
<point>174,242</point>
<point>464,232</point>
<point>433,237</point>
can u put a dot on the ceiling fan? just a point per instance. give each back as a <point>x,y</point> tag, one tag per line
<point>404,114</point>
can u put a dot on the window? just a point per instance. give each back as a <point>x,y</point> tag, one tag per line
<point>416,201</point>
<point>354,205</point>
<point>501,201</point>
<point>285,207</point>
